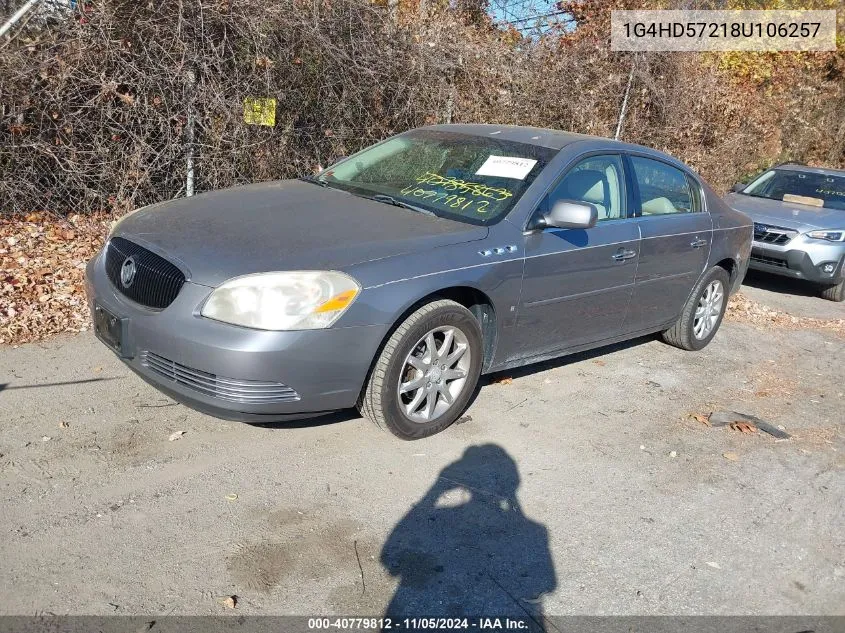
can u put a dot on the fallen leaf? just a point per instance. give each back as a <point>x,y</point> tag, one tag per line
<point>262,61</point>
<point>176,435</point>
<point>600,363</point>
<point>503,381</point>
<point>731,456</point>
<point>700,418</point>
<point>97,370</point>
<point>743,427</point>
<point>63,424</point>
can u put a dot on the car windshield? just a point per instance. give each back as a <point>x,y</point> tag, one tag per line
<point>802,187</point>
<point>474,179</point>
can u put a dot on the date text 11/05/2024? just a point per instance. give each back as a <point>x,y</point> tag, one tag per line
<point>418,624</point>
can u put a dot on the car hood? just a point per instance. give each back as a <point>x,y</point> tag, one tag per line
<point>800,217</point>
<point>284,225</point>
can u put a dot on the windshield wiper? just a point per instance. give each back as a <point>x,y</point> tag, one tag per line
<point>315,180</point>
<point>380,197</point>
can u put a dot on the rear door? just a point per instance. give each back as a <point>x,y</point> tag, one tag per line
<point>578,282</point>
<point>676,233</point>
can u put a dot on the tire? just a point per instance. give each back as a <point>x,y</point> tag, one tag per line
<point>395,369</point>
<point>834,292</point>
<point>685,334</point>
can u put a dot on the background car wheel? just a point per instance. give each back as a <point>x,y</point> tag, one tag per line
<point>835,292</point>
<point>702,313</point>
<point>427,372</point>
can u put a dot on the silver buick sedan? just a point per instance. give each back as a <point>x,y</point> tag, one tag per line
<point>393,279</point>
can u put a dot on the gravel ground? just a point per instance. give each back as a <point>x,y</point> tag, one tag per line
<point>586,480</point>
<point>794,296</point>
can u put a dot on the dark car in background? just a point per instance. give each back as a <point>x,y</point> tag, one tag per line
<point>799,224</point>
<point>395,278</point>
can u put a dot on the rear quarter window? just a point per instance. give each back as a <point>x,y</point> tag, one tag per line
<point>697,195</point>
<point>662,189</point>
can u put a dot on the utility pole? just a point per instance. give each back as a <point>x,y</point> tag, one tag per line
<point>624,109</point>
<point>191,78</point>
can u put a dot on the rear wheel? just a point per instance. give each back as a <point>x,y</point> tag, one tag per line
<point>833,292</point>
<point>702,313</point>
<point>426,373</point>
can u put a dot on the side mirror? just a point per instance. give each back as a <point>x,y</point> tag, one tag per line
<point>738,187</point>
<point>569,214</point>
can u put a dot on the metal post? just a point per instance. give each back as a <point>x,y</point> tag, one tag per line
<point>392,15</point>
<point>17,16</point>
<point>189,135</point>
<point>625,100</point>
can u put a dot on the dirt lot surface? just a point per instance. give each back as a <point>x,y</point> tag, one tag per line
<point>586,480</point>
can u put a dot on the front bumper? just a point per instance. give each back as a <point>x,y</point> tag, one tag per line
<point>218,368</point>
<point>801,261</point>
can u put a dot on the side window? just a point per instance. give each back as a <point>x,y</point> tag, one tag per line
<point>664,190</point>
<point>597,180</point>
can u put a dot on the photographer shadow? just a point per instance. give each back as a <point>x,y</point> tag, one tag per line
<point>467,549</point>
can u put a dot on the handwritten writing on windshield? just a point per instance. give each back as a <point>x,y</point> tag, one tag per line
<point>831,192</point>
<point>455,193</point>
<point>456,185</point>
<point>453,201</point>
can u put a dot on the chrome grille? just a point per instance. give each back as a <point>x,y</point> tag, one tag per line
<point>769,234</point>
<point>156,282</point>
<point>229,389</point>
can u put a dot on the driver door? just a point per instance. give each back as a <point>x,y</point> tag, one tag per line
<point>578,282</point>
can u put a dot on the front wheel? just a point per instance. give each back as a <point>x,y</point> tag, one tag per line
<point>702,313</point>
<point>426,373</point>
<point>833,292</point>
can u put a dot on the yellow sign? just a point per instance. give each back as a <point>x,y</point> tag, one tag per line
<point>260,111</point>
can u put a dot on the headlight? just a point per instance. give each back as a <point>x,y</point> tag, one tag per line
<point>831,236</point>
<point>301,300</point>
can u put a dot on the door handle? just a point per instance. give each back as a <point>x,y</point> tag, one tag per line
<point>622,255</point>
<point>698,243</point>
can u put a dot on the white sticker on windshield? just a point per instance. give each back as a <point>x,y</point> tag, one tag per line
<point>506,167</point>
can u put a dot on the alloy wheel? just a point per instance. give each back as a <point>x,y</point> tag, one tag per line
<point>434,373</point>
<point>709,310</point>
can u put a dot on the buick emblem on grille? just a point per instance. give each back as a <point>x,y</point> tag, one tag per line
<point>127,272</point>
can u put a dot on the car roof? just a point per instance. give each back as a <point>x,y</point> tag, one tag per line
<point>552,139</point>
<point>825,171</point>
